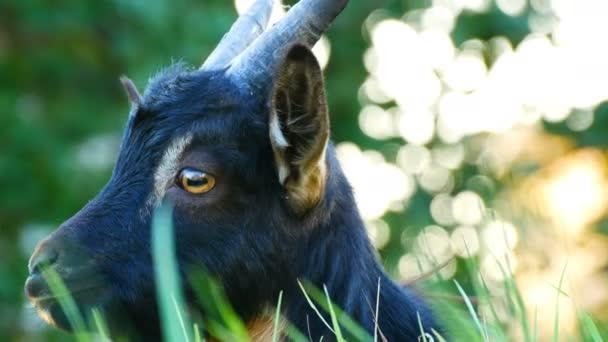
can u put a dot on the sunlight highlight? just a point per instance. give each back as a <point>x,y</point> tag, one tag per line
<point>546,76</point>
<point>277,11</point>
<point>483,103</point>
<point>378,185</point>
<point>322,48</point>
<point>576,194</point>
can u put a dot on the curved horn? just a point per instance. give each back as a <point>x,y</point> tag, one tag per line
<point>244,31</point>
<point>303,24</point>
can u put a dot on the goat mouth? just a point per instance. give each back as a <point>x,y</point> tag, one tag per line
<point>37,288</point>
<point>74,293</point>
<point>65,311</point>
<point>51,308</point>
<point>118,321</point>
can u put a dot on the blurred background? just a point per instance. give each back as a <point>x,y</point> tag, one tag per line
<point>471,130</point>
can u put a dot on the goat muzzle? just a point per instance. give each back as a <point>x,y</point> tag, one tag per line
<point>58,263</point>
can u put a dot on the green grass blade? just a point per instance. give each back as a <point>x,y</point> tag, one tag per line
<point>222,333</point>
<point>67,303</point>
<point>559,292</point>
<point>346,322</point>
<point>180,317</point>
<point>314,307</point>
<point>166,274</point>
<point>482,292</point>
<point>377,312</point>
<point>277,317</point>
<point>472,311</point>
<point>438,336</point>
<point>100,324</point>
<point>513,290</point>
<point>197,333</point>
<point>456,321</point>
<point>590,328</point>
<point>334,319</point>
<point>294,334</point>
<point>221,320</point>
<point>486,296</point>
<point>523,314</point>
<point>535,331</point>
<point>422,336</point>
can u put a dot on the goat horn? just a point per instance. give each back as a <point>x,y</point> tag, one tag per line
<point>303,24</point>
<point>244,31</point>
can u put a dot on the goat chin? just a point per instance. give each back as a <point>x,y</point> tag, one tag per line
<point>119,320</point>
<point>54,310</point>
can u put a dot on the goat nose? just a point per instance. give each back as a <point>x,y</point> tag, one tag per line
<point>44,256</point>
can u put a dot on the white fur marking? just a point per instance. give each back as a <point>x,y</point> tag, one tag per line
<point>167,169</point>
<point>276,135</point>
<point>279,144</point>
<point>283,173</point>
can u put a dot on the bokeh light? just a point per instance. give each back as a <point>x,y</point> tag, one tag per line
<point>484,104</point>
<point>378,185</point>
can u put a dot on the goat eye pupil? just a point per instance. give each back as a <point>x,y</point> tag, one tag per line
<point>195,181</point>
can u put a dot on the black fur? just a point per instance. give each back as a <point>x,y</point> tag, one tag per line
<point>244,234</point>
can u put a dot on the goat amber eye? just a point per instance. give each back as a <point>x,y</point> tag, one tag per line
<point>195,181</point>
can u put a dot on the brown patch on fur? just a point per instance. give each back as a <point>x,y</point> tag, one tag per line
<point>261,329</point>
<point>307,191</point>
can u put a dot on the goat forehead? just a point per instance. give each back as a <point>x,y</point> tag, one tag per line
<point>178,96</point>
<point>180,87</point>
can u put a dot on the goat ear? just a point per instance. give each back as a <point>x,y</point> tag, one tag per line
<point>299,128</point>
<point>131,90</point>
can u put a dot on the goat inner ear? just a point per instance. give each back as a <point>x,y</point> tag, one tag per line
<point>299,128</point>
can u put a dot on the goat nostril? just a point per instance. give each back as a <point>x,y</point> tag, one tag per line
<point>42,258</point>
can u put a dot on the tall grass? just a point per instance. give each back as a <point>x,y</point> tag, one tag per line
<point>175,323</point>
<point>461,319</point>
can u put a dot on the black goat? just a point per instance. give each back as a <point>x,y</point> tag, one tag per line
<point>241,148</point>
